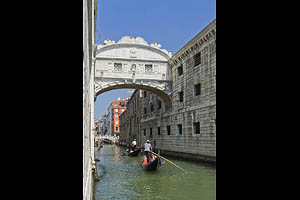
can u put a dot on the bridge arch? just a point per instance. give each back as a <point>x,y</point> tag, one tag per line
<point>157,91</point>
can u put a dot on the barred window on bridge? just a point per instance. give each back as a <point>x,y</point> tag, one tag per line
<point>148,68</point>
<point>117,66</point>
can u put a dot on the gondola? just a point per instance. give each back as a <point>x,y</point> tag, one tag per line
<point>152,165</point>
<point>134,153</point>
<point>106,141</point>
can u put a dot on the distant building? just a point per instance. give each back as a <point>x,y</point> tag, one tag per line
<point>102,128</point>
<point>130,120</point>
<point>117,108</point>
<point>111,122</point>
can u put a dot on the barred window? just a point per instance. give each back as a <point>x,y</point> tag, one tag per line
<point>148,68</point>
<point>180,94</point>
<point>179,129</point>
<point>159,104</point>
<point>169,130</point>
<point>197,59</point>
<point>158,130</point>
<point>180,70</point>
<point>196,127</point>
<point>197,89</point>
<point>118,66</point>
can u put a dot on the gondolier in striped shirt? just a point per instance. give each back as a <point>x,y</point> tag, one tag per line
<point>147,150</point>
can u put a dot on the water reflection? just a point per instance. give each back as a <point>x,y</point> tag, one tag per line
<point>116,152</point>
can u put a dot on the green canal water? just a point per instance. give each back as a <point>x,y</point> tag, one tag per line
<point>123,178</point>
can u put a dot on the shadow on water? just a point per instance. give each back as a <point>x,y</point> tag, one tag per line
<point>122,177</point>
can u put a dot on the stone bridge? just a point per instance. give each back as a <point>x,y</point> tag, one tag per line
<point>133,63</point>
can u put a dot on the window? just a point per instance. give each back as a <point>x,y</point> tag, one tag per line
<point>180,94</point>
<point>180,70</point>
<point>169,130</point>
<point>115,105</point>
<point>117,129</point>
<point>118,66</point>
<point>197,59</point>
<point>116,122</point>
<point>144,132</point>
<point>196,127</point>
<point>116,115</point>
<point>151,107</point>
<point>145,93</point>
<point>158,130</point>
<point>179,129</point>
<point>148,68</point>
<point>197,89</point>
<point>150,131</point>
<point>145,110</point>
<point>159,104</point>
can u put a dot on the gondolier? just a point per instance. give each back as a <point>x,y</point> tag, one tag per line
<point>147,150</point>
<point>150,162</point>
<point>133,144</point>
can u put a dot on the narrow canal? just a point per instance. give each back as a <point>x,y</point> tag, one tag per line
<point>123,178</point>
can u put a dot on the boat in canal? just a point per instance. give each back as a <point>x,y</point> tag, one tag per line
<point>134,153</point>
<point>106,141</point>
<point>152,165</point>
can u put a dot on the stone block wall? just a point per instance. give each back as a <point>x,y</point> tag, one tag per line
<point>191,108</point>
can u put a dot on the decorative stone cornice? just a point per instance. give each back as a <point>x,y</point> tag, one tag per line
<point>197,42</point>
<point>134,42</point>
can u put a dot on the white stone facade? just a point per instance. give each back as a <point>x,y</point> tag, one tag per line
<point>133,63</point>
<point>89,24</point>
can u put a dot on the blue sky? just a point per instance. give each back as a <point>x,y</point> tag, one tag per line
<point>172,23</point>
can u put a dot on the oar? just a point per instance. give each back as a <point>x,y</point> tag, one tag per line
<point>169,161</point>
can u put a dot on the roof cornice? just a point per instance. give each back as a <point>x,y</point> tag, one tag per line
<point>201,38</point>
